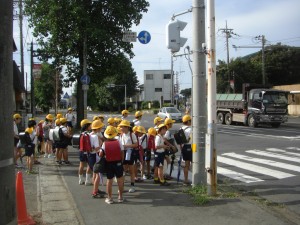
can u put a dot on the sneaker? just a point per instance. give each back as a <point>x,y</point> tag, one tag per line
<point>186,183</point>
<point>156,182</point>
<point>67,163</point>
<point>164,183</point>
<point>51,156</point>
<point>101,192</point>
<point>144,177</point>
<point>36,162</point>
<point>109,201</point>
<point>45,155</point>
<point>131,190</point>
<point>32,172</point>
<point>88,183</point>
<point>120,200</point>
<point>81,182</point>
<point>96,195</point>
<point>149,177</point>
<point>18,166</point>
<point>58,162</point>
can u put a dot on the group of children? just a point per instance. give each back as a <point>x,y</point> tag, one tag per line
<point>44,137</point>
<point>127,147</point>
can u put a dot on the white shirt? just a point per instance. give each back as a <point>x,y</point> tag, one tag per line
<point>137,122</point>
<point>94,142</point>
<point>168,135</point>
<point>188,132</point>
<point>126,139</point>
<point>69,117</point>
<point>16,131</point>
<point>143,141</point>
<point>159,140</point>
<point>33,137</point>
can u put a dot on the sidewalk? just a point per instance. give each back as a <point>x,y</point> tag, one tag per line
<point>53,196</point>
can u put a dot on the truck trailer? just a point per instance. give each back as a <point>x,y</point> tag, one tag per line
<point>256,105</point>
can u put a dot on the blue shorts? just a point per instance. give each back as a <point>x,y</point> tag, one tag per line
<point>91,160</point>
<point>187,153</point>
<point>83,157</point>
<point>159,159</point>
<point>147,155</point>
<point>135,155</point>
<point>130,161</point>
<point>29,150</point>
<point>114,169</point>
<point>69,124</point>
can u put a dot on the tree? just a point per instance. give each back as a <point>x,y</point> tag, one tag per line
<point>63,27</point>
<point>186,92</point>
<point>44,90</point>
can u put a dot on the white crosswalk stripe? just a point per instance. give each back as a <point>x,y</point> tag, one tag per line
<point>237,176</point>
<point>257,165</point>
<point>274,155</point>
<point>265,161</point>
<point>254,168</point>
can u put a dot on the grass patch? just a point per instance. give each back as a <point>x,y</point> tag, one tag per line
<point>199,194</point>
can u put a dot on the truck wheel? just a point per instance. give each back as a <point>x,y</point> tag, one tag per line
<point>275,125</point>
<point>251,121</point>
<point>220,118</point>
<point>228,119</point>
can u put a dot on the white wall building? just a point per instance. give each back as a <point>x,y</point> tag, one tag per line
<point>157,85</point>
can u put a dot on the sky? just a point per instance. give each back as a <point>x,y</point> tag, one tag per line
<point>278,20</point>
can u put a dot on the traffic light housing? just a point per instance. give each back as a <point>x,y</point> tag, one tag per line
<point>174,41</point>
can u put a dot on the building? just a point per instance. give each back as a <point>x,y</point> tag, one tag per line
<point>157,86</point>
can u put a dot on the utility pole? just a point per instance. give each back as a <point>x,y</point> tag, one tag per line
<point>263,44</point>
<point>85,87</point>
<point>198,94</point>
<point>32,80</point>
<point>21,44</point>
<point>211,152</point>
<point>56,90</point>
<point>172,79</point>
<point>228,34</point>
<point>8,215</point>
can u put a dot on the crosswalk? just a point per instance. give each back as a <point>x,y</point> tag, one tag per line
<point>256,165</point>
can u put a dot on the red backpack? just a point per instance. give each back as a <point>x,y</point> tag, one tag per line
<point>112,151</point>
<point>151,143</point>
<point>85,142</point>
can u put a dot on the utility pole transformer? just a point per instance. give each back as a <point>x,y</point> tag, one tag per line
<point>7,168</point>
<point>211,152</point>
<point>198,94</point>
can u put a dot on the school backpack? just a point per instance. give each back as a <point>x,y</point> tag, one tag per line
<point>85,142</point>
<point>151,142</point>
<point>112,151</point>
<point>24,138</point>
<point>180,137</point>
<point>56,136</point>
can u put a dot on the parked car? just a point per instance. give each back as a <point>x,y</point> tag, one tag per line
<point>170,112</point>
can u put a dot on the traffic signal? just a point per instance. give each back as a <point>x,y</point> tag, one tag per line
<point>174,41</point>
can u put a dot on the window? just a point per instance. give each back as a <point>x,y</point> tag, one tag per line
<point>158,89</point>
<point>149,76</point>
<point>167,76</point>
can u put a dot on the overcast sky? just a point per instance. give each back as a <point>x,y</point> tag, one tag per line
<point>278,20</point>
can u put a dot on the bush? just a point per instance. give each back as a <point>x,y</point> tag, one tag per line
<point>144,105</point>
<point>155,104</point>
<point>155,111</point>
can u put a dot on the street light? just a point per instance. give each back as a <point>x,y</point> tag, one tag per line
<point>119,85</point>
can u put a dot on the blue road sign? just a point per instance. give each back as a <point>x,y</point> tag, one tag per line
<point>176,97</point>
<point>144,37</point>
<point>85,79</point>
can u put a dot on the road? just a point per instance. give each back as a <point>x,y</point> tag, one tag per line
<point>263,160</point>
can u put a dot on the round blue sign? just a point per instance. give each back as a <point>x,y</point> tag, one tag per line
<point>144,37</point>
<point>85,79</point>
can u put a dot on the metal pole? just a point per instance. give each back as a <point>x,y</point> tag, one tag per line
<point>211,155</point>
<point>56,91</point>
<point>31,79</point>
<point>8,213</point>
<point>125,96</point>
<point>21,44</point>
<point>172,87</point>
<point>84,73</point>
<point>198,94</point>
<point>263,59</point>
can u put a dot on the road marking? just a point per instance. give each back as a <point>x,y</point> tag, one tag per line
<point>237,176</point>
<point>254,168</point>
<point>283,151</point>
<point>293,148</point>
<point>264,161</point>
<point>274,155</point>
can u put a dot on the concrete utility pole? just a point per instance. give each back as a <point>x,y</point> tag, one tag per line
<point>211,152</point>
<point>7,168</point>
<point>263,44</point>
<point>85,87</point>
<point>198,94</point>
<point>32,81</point>
<point>21,43</point>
